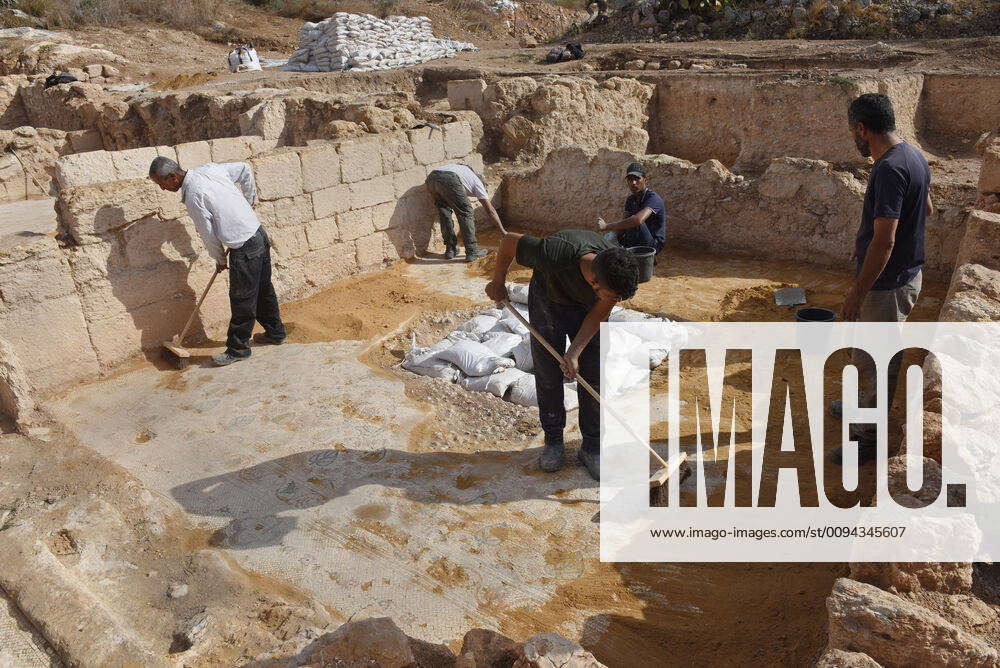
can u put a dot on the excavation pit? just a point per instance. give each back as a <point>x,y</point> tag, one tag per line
<point>382,493</point>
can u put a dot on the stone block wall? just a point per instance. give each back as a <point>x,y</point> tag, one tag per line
<point>131,264</point>
<point>27,165</point>
<point>798,210</point>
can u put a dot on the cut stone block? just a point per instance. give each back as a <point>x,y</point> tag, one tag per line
<point>320,167</point>
<point>382,216</point>
<point>457,140</point>
<point>428,145</point>
<point>331,201</point>
<point>289,242</point>
<point>360,160</point>
<point>133,163</point>
<point>397,153</point>
<point>278,175</point>
<point>193,154</point>
<point>370,251</point>
<point>322,233</point>
<point>230,149</point>
<point>151,241</point>
<point>466,93</point>
<point>83,169</point>
<point>371,192</point>
<point>292,211</point>
<point>355,224</point>
<point>404,182</point>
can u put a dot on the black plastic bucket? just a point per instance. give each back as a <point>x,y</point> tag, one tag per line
<point>646,255</point>
<point>815,314</point>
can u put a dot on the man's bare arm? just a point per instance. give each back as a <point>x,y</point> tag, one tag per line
<point>494,216</point>
<point>877,256</point>
<point>496,289</point>
<point>635,220</point>
<point>599,313</point>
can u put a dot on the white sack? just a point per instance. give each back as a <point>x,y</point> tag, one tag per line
<point>475,359</point>
<point>496,384</point>
<point>522,355</point>
<point>518,293</point>
<point>501,343</point>
<point>479,325</point>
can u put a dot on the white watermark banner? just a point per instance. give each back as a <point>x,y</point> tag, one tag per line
<point>775,471</point>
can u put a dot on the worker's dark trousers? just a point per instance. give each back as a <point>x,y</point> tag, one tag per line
<point>557,323</point>
<point>251,294</point>
<point>449,195</point>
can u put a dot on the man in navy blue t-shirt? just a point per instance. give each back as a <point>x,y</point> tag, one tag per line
<point>889,246</point>
<point>646,217</point>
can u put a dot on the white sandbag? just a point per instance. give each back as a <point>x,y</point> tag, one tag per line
<point>523,392</point>
<point>513,325</point>
<point>501,343</point>
<point>496,384</point>
<point>518,293</point>
<point>522,355</point>
<point>426,361</point>
<point>459,335</point>
<point>437,369</point>
<point>475,359</point>
<point>479,324</point>
<point>495,312</point>
<point>571,398</point>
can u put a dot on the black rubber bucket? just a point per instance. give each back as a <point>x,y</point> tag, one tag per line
<point>646,255</point>
<point>815,314</point>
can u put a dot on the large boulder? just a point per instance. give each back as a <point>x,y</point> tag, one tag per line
<point>375,642</point>
<point>947,578</point>
<point>896,632</point>
<point>838,658</point>
<point>548,650</point>
<point>482,648</point>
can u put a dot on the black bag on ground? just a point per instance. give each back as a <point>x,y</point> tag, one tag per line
<point>575,50</point>
<point>554,55</point>
<point>56,79</point>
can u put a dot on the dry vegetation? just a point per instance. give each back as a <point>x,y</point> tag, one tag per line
<point>71,13</point>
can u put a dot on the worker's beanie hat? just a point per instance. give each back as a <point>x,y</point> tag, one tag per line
<point>635,169</point>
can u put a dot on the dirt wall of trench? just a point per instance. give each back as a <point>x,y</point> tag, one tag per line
<point>745,121</point>
<point>799,210</point>
<point>129,265</point>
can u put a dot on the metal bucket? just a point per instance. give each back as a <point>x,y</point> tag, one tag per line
<point>646,256</point>
<point>815,314</point>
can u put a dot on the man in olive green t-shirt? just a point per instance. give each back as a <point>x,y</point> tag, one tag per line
<point>579,276</point>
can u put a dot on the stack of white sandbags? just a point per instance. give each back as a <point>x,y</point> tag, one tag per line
<point>498,6</point>
<point>491,352</point>
<point>362,42</point>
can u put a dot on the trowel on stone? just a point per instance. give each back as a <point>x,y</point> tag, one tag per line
<point>790,296</point>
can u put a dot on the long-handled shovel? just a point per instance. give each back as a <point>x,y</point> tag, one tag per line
<point>657,490</point>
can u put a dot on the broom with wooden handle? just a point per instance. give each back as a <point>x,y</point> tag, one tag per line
<point>173,350</point>
<point>657,490</point>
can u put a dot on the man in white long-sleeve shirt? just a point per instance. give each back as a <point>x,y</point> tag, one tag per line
<point>220,198</point>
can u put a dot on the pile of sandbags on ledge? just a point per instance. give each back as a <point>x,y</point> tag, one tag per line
<point>362,42</point>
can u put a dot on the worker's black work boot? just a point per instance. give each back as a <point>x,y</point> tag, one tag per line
<point>226,358</point>
<point>475,254</point>
<point>590,458</point>
<point>450,252</point>
<point>553,456</point>
<point>264,338</point>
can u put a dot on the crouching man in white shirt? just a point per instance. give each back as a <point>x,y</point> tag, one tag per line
<point>220,198</point>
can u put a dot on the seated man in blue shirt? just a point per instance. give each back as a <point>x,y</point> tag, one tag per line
<point>646,222</point>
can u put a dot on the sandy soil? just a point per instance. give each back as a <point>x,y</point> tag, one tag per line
<point>762,613</point>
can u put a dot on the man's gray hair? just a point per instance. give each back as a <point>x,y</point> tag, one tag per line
<point>162,167</point>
